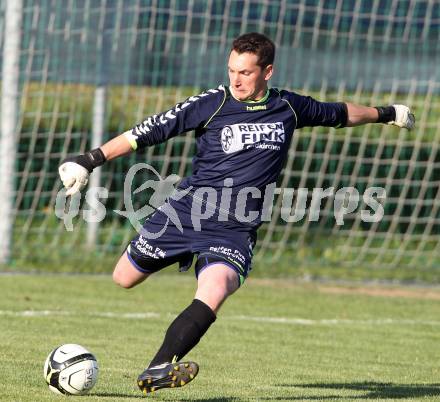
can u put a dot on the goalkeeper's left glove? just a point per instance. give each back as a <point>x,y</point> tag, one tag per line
<point>74,171</point>
<point>397,115</point>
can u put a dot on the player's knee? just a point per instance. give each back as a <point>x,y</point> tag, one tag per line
<point>121,280</point>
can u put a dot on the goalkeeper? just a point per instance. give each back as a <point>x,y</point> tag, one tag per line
<point>243,132</point>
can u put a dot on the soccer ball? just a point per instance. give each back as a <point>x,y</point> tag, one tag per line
<point>71,370</point>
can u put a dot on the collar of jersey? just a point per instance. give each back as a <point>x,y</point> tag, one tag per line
<point>263,99</point>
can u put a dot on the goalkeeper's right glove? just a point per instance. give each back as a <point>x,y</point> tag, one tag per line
<point>74,171</point>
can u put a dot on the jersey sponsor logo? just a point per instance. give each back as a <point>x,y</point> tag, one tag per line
<point>237,137</point>
<point>227,138</point>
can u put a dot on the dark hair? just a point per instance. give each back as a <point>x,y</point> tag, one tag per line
<point>258,44</point>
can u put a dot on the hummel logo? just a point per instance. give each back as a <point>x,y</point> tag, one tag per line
<point>255,108</point>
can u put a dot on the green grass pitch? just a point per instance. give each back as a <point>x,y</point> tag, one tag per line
<point>273,341</point>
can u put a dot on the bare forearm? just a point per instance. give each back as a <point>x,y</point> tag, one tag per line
<point>116,147</point>
<point>358,114</point>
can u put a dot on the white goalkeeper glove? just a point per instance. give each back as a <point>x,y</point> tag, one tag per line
<point>75,171</point>
<point>404,117</point>
<point>397,115</point>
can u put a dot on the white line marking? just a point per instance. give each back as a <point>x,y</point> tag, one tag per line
<point>334,321</point>
<point>267,320</point>
<point>107,314</point>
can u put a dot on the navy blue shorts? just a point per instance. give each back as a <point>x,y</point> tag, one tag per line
<point>214,243</point>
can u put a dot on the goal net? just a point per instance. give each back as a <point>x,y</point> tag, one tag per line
<point>88,70</point>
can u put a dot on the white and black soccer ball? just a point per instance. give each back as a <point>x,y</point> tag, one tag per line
<point>71,369</point>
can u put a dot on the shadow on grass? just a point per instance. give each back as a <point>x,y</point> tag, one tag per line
<point>372,389</point>
<point>116,395</point>
<point>128,396</point>
<point>220,399</point>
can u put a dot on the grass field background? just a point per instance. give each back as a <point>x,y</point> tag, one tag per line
<point>128,105</point>
<point>275,340</point>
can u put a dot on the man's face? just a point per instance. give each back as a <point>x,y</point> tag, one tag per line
<point>247,79</point>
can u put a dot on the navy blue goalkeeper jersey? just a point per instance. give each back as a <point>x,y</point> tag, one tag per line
<point>245,143</point>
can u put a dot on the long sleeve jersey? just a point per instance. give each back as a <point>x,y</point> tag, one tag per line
<point>244,142</point>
